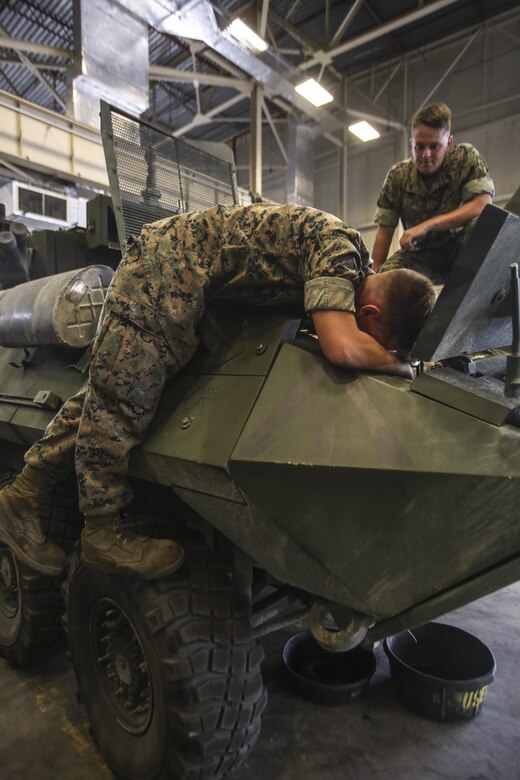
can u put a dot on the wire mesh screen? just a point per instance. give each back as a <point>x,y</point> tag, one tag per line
<point>153,175</point>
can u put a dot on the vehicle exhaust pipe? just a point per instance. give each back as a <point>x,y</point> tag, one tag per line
<point>12,266</point>
<point>21,234</point>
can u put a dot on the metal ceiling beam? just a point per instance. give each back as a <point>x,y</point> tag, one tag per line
<point>300,37</point>
<point>449,69</point>
<point>6,42</point>
<point>221,62</point>
<point>196,20</point>
<point>204,119</point>
<point>164,73</point>
<point>274,131</point>
<point>387,81</point>
<point>459,37</point>
<point>292,9</point>
<point>37,65</point>
<point>21,174</point>
<point>377,21</point>
<point>345,23</point>
<point>262,25</point>
<point>325,58</point>
<point>29,65</point>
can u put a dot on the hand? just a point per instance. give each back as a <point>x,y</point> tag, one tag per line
<point>412,235</point>
<point>402,368</point>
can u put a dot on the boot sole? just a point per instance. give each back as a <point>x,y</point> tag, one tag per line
<point>19,552</point>
<point>111,568</point>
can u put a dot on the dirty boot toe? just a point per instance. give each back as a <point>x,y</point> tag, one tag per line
<point>106,546</point>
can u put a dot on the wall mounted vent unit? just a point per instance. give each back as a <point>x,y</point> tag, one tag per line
<point>38,203</point>
<point>40,208</point>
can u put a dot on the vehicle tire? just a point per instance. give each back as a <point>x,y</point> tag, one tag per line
<point>167,669</point>
<point>31,604</point>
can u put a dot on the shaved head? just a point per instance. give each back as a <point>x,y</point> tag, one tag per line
<point>405,299</point>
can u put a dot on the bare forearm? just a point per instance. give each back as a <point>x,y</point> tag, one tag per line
<point>345,345</point>
<point>367,354</point>
<point>441,222</point>
<point>381,246</point>
<point>458,217</point>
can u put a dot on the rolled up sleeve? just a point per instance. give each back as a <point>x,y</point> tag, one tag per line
<point>389,202</point>
<point>474,173</point>
<point>481,186</point>
<point>386,217</point>
<point>329,293</point>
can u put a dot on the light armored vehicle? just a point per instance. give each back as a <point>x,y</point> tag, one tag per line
<point>355,504</point>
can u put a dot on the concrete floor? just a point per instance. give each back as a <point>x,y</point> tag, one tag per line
<point>44,733</point>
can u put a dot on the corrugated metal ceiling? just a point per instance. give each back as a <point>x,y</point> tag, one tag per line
<point>295,31</point>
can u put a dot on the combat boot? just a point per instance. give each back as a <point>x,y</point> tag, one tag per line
<point>107,546</point>
<point>20,526</point>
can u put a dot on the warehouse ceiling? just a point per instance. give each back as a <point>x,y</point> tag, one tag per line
<point>200,84</point>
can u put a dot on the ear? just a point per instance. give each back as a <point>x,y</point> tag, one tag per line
<point>450,140</point>
<point>369,310</point>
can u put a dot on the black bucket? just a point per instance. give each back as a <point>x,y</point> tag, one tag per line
<point>440,671</point>
<point>324,677</point>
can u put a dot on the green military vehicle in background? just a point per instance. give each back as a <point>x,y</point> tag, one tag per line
<point>357,505</point>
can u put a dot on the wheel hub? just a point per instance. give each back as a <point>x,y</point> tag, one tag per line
<point>123,669</point>
<point>121,666</point>
<point>8,583</point>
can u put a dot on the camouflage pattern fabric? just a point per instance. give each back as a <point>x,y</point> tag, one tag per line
<point>156,300</point>
<point>409,196</point>
<point>54,453</point>
<point>433,263</point>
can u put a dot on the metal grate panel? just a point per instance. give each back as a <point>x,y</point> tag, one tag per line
<point>154,175</point>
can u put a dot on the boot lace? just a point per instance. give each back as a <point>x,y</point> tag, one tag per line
<point>132,541</point>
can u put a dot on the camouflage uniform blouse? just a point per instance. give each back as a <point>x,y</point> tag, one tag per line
<point>413,198</point>
<point>253,253</point>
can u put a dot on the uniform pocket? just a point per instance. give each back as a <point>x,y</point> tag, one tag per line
<point>129,364</point>
<point>139,312</point>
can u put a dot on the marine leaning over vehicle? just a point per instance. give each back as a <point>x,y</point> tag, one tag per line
<point>149,332</point>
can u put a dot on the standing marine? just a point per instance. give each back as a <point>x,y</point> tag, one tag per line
<point>437,194</point>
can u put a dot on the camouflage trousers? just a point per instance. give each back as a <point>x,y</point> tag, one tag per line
<point>436,263</point>
<point>131,363</point>
<point>54,453</point>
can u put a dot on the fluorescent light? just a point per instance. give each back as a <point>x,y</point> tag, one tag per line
<point>242,33</point>
<point>314,92</point>
<point>364,131</point>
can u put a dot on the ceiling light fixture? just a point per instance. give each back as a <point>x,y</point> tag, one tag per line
<point>245,35</point>
<point>314,92</point>
<point>364,130</point>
